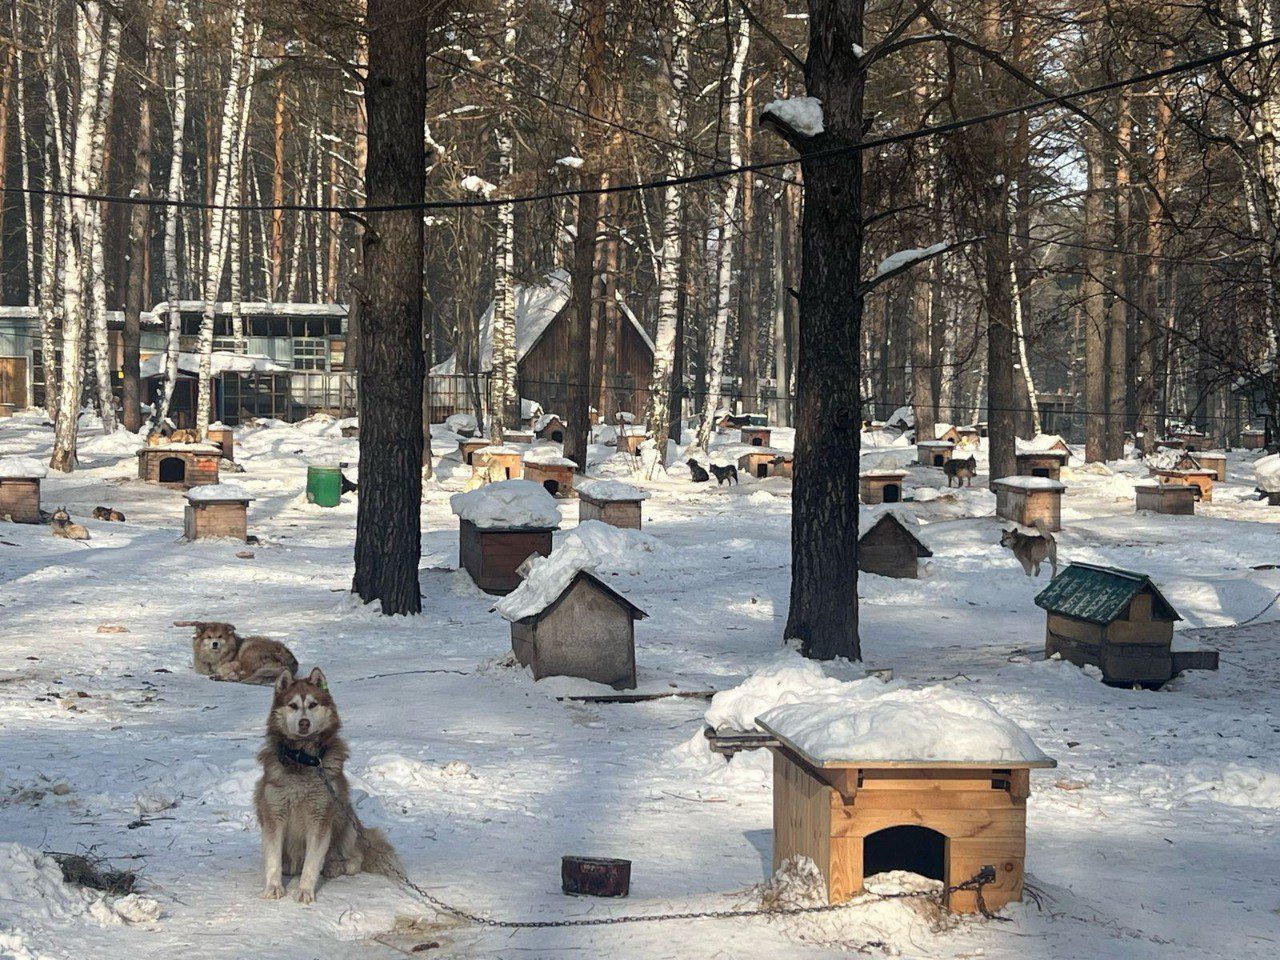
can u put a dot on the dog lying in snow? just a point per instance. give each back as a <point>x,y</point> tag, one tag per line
<point>64,527</point>
<point>696,472</point>
<point>106,513</point>
<point>1032,551</point>
<point>961,471</point>
<point>489,472</point>
<point>302,799</point>
<point>223,654</point>
<point>723,474</point>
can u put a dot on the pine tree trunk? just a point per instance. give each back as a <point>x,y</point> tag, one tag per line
<point>93,230</point>
<point>1094,305</point>
<point>1149,332</point>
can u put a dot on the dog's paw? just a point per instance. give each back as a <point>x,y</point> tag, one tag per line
<point>272,891</point>
<point>305,895</point>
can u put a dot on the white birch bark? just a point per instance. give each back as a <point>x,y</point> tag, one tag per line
<point>20,102</point>
<point>782,389</point>
<point>96,272</point>
<point>725,244</point>
<point>657,413</point>
<point>52,252</point>
<point>504,404</point>
<point>235,191</point>
<point>1021,334</point>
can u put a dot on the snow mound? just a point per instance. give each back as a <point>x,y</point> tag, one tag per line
<point>1267,472</point>
<point>32,885</point>
<point>801,114</point>
<point>26,468</point>
<point>595,547</point>
<point>789,679</point>
<point>459,422</point>
<point>1249,786</point>
<point>218,491</point>
<point>609,490</point>
<point>865,722</point>
<point>548,456</point>
<point>508,503</point>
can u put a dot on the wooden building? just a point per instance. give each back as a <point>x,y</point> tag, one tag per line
<point>180,464</point>
<point>764,462</point>
<point>1200,478</point>
<point>1026,499</point>
<point>543,370</point>
<point>1117,621</point>
<point>509,459</point>
<point>491,555</point>
<point>756,436</point>
<point>217,510</point>
<point>611,501</point>
<point>881,486</point>
<point>554,472</point>
<point>548,426</point>
<point>1203,460</point>
<point>468,446</point>
<point>934,453</point>
<point>890,547</point>
<point>1173,498</point>
<point>587,631</point>
<point>20,489</point>
<point>946,821</point>
<point>946,431</point>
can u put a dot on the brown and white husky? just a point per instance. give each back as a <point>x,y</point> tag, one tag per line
<point>1030,550</point>
<point>302,799</point>
<point>221,653</point>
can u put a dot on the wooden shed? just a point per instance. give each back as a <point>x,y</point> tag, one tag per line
<point>1025,499</point>
<point>610,501</point>
<point>587,631</point>
<point>1172,498</point>
<point>548,427</point>
<point>881,486</point>
<point>764,462</point>
<point>180,464</point>
<point>554,472</point>
<point>934,453</point>
<point>756,436</point>
<point>1041,463</point>
<point>217,510</point>
<point>1203,460</point>
<point>468,446</point>
<point>890,547</point>
<point>1252,438</point>
<point>509,459</point>
<point>20,489</point>
<point>1117,621</point>
<point>1201,479</point>
<point>943,820</point>
<point>501,525</point>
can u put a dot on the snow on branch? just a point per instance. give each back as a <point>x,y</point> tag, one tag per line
<point>796,118</point>
<point>478,185</point>
<point>904,260</point>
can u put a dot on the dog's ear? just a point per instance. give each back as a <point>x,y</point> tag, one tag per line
<point>285,678</point>
<point>317,677</point>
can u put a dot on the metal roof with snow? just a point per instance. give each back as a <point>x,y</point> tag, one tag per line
<point>1084,591</point>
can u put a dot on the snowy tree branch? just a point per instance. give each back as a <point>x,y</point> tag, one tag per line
<point>904,260</point>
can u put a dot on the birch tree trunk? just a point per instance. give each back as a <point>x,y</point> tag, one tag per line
<point>504,398</point>
<point>52,251</point>
<point>28,223</point>
<point>96,270</point>
<point>725,241</point>
<point>1020,330</point>
<point>1093,305</point>
<point>173,213</point>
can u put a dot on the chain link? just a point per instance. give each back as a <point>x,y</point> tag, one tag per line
<point>975,883</point>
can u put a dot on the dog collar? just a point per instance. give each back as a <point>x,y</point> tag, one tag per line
<point>300,756</point>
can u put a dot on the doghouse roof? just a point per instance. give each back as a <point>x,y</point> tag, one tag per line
<point>1101,595</point>
<point>544,601</point>
<point>902,524</point>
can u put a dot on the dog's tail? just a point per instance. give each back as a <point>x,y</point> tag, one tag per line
<point>268,673</point>
<point>377,855</point>
<point>1042,528</point>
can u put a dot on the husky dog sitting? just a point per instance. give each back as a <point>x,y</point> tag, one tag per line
<point>309,826</point>
<point>64,527</point>
<point>697,473</point>
<point>727,474</point>
<point>223,654</point>
<point>961,471</point>
<point>106,513</point>
<point>1032,550</point>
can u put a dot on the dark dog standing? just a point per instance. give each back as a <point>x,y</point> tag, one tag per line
<point>961,471</point>
<point>725,474</point>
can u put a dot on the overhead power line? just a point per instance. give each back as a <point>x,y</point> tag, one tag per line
<point>1188,66</point>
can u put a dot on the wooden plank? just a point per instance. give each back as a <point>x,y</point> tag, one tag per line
<point>1008,825</point>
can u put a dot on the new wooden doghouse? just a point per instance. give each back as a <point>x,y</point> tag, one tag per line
<point>180,464</point>
<point>1201,479</point>
<point>1178,499</point>
<point>934,453</point>
<point>217,510</point>
<point>20,488</point>
<point>587,630</point>
<point>765,462</point>
<point>1117,621</point>
<point>1024,499</point>
<point>509,459</point>
<point>611,501</point>
<point>224,438</point>
<point>881,486</point>
<point>944,820</point>
<point>467,449</point>
<point>890,548</point>
<point>552,471</point>
<point>549,427</point>
<point>756,436</point>
<point>1041,463</point>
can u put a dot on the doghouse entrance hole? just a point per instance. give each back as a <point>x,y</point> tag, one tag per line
<point>757,441</point>
<point>915,849</point>
<point>552,487</point>
<point>557,436</point>
<point>939,460</point>
<point>762,470</point>
<point>173,470</point>
<point>892,493</point>
<point>507,471</point>
<point>1040,471</point>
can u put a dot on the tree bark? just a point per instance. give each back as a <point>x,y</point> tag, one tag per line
<point>1117,315</point>
<point>1093,304</point>
<point>172,215</point>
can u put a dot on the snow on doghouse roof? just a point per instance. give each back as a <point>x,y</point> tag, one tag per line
<point>548,455</point>
<point>1266,470</point>
<point>1041,443</point>
<point>871,516</point>
<point>866,723</point>
<point>221,362</point>
<point>1032,483</point>
<point>610,491</point>
<point>181,448</point>
<point>935,443</point>
<point>545,420</point>
<point>216,492</point>
<point>536,307</point>
<point>22,468</point>
<point>508,503</point>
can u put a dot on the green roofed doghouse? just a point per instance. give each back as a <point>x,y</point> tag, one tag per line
<point>1117,621</point>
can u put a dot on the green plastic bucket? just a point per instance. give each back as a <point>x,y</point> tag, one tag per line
<point>324,486</point>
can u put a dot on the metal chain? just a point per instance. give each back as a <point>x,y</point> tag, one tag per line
<point>975,883</point>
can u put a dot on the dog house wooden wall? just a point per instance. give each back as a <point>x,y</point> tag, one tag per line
<point>588,631</point>
<point>1202,480</point>
<point>1041,463</point>
<point>881,486</point>
<point>224,439</point>
<point>556,478</point>
<point>890,549</point>
<point>492,555</point>
<point>188,465</point>
<point>756,436</point>
<point>549,427</point>
<point>765,462</point>
<point>1026,499</point>
<point>20,499</point>
<point>1172,498</point>
<point>934,453</point>
<point>467,449</point>
<point>854,818</point>
<point>216,518</point>
<point>508,459</point>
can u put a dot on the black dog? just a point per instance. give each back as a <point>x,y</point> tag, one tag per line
<point>697,473</point>
<point>349,486</point>
<point>729,473</point>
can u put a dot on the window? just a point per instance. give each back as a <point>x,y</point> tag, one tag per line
<point>310,353</point>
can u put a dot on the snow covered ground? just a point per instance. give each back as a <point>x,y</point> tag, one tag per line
<point>1155,837</point>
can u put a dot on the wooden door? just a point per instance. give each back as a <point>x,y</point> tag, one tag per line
<point>13,381</point>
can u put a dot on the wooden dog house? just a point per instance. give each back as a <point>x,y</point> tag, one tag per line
<point>586,630</point>
<point>1178,499</point>
<point>1202,460</point>
<point>180,464</point>
<point>1117,621</point>
<point>1192,440</point>
<point>553,472</point>
<point>630,438</point>
<point>509,459</point>
<point>349,428</point>
<point>217,510</point>
<point>20,489</point>
<point>968,437</point>
<point>934,453</point>
<point>611,501</point>
<point>764,462</point>
<point>756,436</point>
<point>1201,479</point>
<point>1041,463</point>
<point>944,820</point>
<point>521,437</point>
<point>881,486</point>
<point>501,525</point>
<point>1253,438</point>
<point>549,427</point>
<point>890,548</point>
<point>468,446</point>
<point>945,431</point>
<point>1025,499</point>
